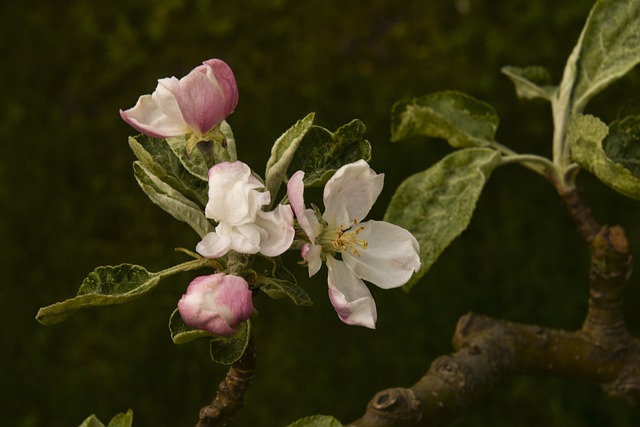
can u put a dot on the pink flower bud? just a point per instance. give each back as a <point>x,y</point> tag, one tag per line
<point>217,303</point>
<point>196,103</point>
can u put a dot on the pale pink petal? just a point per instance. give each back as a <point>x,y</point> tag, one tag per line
<point>217,303</point>
<point>233,195</point>
<point>312,255</point>
<point>276,230</point>
<point>350,297</point>
<point>306,217</point>
<point>390,258</point>
<point>221,74</point>
<point>350,193</point>
<point>200,102</point>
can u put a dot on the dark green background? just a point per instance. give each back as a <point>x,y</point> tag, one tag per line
<point>70,203</point>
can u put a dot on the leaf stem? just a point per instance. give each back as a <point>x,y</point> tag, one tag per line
<point>185,266</point>
<point>539,164</point>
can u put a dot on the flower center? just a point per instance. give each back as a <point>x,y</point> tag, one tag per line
<point>340,240</point>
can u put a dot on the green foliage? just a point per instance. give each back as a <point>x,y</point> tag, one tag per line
<point>173,179</point>
<point>160,158</point>
<point>283,151</point>
<point>281,283</point>
<point>322,152</point>
<point>111,285</point>
<point>120,420</point>
<point>531,82</point>
<point>458,118</point>
<point>622,144</point>
<point>226,350</point>
<point>194,162</point>
<point>436,205</point>
<point>607,49</point>
<point>92,421</point>
<point>316,421</point>
<point>586,135</point>
<point>171,200</point>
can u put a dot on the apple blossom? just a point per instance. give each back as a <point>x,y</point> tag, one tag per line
<point>376,251</point>
<point>236,199</point>
<point>195,104</point>
<point>217,303</point>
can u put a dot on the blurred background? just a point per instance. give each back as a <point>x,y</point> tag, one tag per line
<point>70,203</point>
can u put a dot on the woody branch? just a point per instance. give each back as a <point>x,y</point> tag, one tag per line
<point>489,350</point>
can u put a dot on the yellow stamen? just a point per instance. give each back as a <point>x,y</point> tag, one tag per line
<point>344,240</point>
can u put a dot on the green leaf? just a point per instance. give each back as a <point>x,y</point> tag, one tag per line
<point>195,162</point>
<point>437,204</point>
<point>622,144</point>
<point>230,143</point>
<point>317,421</point>
<point>587,134</point>
<point>92,421</point>
<point>607,49</point>
<point>531,82</point>
<point>282,153</point>
<point>171,200</point>
<point>322,152</point>
<point>120,420</point>
<point>182,333</point>
<point>220,148</point>
<point>458,118</point>
<point>281,284</point>
<point>158,157</point>
<point>226,350</point>
<point>110,285</point>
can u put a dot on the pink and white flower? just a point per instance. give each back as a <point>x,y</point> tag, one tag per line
<point>217,303</point>
<point>376,251</point>
<point>236,200</point>
<point>195,104</point>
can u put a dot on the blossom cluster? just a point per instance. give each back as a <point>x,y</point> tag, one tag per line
<point>353,250</point>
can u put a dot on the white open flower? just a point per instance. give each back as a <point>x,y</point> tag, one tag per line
<point>236,199</point>
<point>376,251</point>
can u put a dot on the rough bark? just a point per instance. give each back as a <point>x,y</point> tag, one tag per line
<point>230,395</point>
<point>489,350</point>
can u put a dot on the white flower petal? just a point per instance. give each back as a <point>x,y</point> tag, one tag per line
<point>213,245</point>
<point>350,296</point>
<point>245,239</point>
<point>312,254</point>
<point>233,195</point>
<point>350,193</point>
<point>148,117</point>
<point>276,230</point>
<point>165,96</point>
<point>390,258</point>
